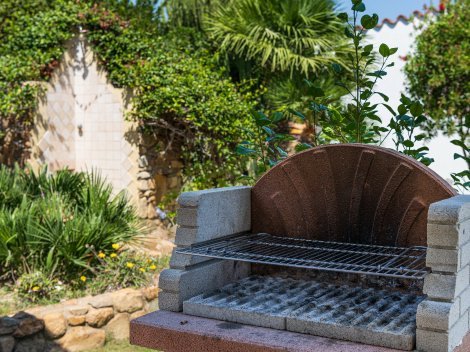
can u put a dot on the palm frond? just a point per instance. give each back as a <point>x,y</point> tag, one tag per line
<point>287,36</point>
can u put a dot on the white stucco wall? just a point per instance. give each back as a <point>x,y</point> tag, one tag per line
<point>401,35</point>
<point>81,125</point>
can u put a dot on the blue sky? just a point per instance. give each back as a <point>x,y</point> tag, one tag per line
<point>390,8</point>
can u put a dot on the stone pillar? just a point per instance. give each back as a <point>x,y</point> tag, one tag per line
<point>443,318</point>
<point>202,216</point>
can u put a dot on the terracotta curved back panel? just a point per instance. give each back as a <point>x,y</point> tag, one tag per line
<point>348,193</point>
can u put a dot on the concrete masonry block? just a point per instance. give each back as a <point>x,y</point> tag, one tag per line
<point>458,331</point>
<point>450,211</point>
<point>186,236</point>
<point>445,236</point>
<point>184,261</point>
<point>465,300</point>
<point>446,287</point>
<point>169,301</point>
<point>401,341</point>
<point>202,278</point>
<point>446,260</point>
<point>214,213</point>
<point>436,315</point>
<point>263,319</point>
<point>187,217</point>
<point>432,341</point>
<point>465,255</point>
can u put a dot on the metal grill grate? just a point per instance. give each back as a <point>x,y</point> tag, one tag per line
<point>398,262</point>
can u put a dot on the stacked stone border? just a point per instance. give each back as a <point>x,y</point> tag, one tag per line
<point>202,216</point>
<point>76,325</point>
<point>443,318</point>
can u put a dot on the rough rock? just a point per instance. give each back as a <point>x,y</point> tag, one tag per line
<point>128,301</point>
<point>82,338</point>
<point>101,301</point>
<point>143,175</point>
<point>151,213</point>
<point>75,320</point>
<point>165,247</point>
<point>118,327</point>
<point>34,343</point>
<point>8,325</point>
<point>28,326</point>
<point>99,317</point>
<point>143,162</point>
<point>7,343</point>
<point>143,185</point>
<point>56,325</point>
<point>142,208</point>
<point>150,293</point>
<point>78,310</point>
<point>137,314</point>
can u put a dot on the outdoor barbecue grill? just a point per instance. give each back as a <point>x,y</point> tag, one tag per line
<point>263,248</point>
<point>345,242</point>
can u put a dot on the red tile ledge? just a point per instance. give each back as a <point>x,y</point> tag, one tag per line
<point>177,332</point>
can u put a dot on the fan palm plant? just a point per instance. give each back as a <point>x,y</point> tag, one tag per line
<point>282,44</point>
<point>282,36</point>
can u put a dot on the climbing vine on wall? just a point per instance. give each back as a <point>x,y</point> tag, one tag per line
<point>179,93</point>
<point>32,34</point>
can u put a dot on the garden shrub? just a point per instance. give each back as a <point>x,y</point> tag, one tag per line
<point>50,223</point>
<point>179,93</point>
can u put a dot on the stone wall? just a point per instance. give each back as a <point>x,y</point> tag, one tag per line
<point>443,318</point>
<point>76,325</point>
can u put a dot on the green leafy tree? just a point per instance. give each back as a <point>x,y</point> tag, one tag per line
<point>180,94</point>
<point>279,43</point>
<point>439,76</point>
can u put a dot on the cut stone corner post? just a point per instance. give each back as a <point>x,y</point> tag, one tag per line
<point>443,317</point>
<point>202,216</point>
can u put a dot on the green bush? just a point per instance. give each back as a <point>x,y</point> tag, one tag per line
<point>123,268</point>
<point>50,223</point>
<point>180,95</point>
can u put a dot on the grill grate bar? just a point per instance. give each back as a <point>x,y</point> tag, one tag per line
<point>398,262</point>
